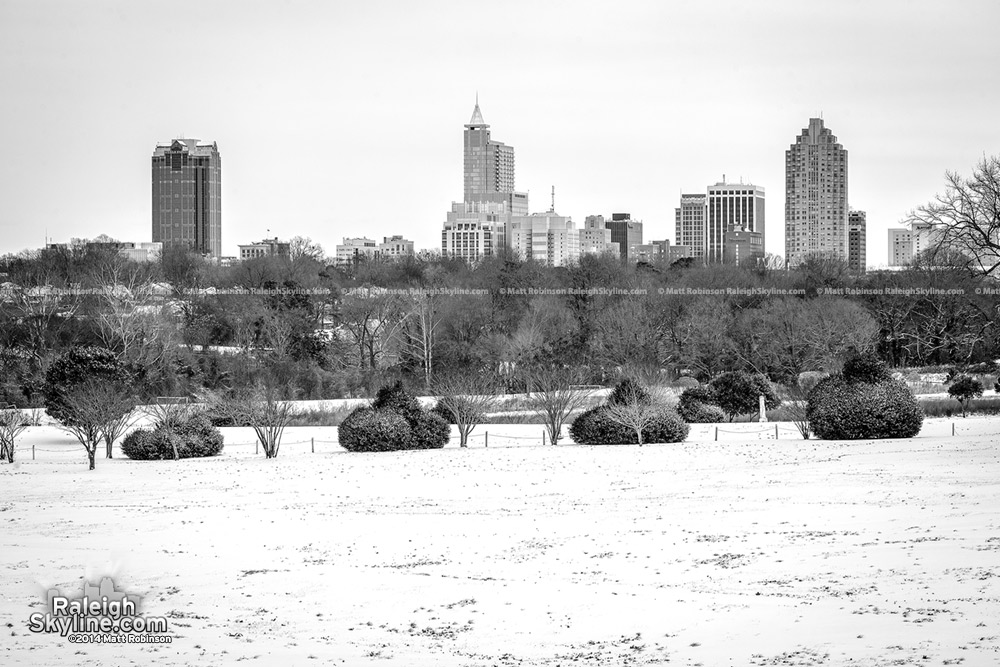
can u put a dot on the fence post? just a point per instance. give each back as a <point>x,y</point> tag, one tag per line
<point>776,431</point>
<point>487,438</point>
<point>313,442</point>
<point>543,438</point>
<point>33,448</point>
<point>716,433</point>
<point>953,429</point>
<point>256,447</point>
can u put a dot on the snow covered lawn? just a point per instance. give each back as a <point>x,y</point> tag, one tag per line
<point>742,551</point>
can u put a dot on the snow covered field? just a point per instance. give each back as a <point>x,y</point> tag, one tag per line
<point>743,551</point>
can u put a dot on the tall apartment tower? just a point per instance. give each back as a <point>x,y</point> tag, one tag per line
<point>187,196</point>
<point>732,207</point>
<point>690,220</point>
<point>816,211</point>
<point>856,241</point>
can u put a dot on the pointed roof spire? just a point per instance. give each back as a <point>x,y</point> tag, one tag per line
<point>477,115</point>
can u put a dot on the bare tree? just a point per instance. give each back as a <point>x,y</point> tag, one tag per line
<point>798,398</point>
<point>129,318</point>
<point>966,217</point>
<point>92,410</point>
<point>303,247</point>
<point>555,395</point>
<point>466,400</point>
<point>636,408</point>
<point>260,408</point>
<point>12,424</point>
<point>419,331</point>
<point>371,316</point>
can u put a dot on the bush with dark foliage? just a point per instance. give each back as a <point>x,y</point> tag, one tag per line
<point>697,406</point>
<point>77,366</point>
<point>595,427</point>
<point>394,421</point>
<point>739,392</point>
<point>195,437</point>
<point>965,388</point>
<point>863,401</point>
<point>369,430</point>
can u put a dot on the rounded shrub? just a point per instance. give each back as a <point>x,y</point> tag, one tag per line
<point>394,421</point>
<point>370,430</point>
<point>194,438</point>
<point>697,406</point>
<point>841,409</point>
<point>429,431</point>
<point>739,392</point>
<point>594,427</point>
<point>865,368</point>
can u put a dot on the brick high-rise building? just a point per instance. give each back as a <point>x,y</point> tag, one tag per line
<point>187,195</point>
<point>815,195</point>
<point>856,241</point>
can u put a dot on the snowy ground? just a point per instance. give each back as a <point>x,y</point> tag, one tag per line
<point>744,550</point>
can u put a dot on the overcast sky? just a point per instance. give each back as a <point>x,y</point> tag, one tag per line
<point>343,119</point>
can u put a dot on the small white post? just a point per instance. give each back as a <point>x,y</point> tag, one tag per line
<point>760,409</point>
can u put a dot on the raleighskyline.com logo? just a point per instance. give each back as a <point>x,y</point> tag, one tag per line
<point>101,615</point>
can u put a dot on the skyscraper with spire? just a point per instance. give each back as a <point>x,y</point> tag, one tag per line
<point>477,226</point>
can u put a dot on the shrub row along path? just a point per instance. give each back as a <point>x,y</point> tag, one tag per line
<point>729,552</point>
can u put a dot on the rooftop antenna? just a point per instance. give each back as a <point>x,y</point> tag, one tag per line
<point>553,209</point>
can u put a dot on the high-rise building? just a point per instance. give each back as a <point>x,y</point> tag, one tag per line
<point>691,226</point>
<point>595,237</point>
<point>856,241</point>
<point>545,237</point>
<point>625,231</point>
<point>489,165</point>
<point>732,207</point>
<point>900,247</point>
<point>905,245</point>
<point>187,196</point>
<point>816,208</point>
<point>477,226</point>
<point>474,230</point>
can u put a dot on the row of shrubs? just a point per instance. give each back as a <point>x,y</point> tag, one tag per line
<point>863,401</point>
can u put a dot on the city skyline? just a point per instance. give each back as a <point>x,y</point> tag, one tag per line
<point>349,122</point>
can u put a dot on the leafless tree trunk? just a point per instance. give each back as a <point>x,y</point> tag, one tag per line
<point>92,408</point>
<point>466,399</point>
<point>261,408</point>
<point>12,424</point>
<point>554,397</point>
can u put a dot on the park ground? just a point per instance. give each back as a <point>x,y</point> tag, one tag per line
<point>744,550</point>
